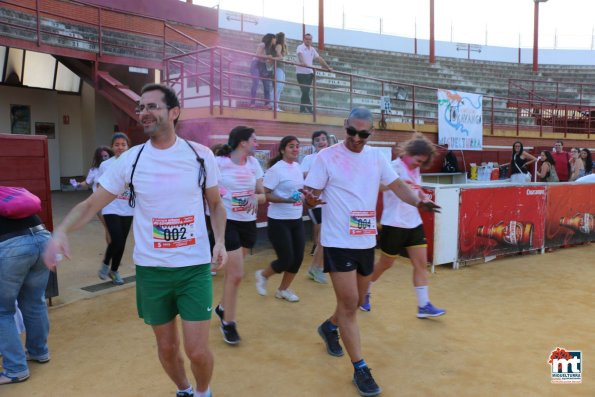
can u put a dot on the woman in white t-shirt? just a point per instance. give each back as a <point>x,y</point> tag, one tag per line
<point>402,229</point>
<point>282,184</point>
<point>118,218</point>
<point>320,140</point>
<point>240,186</point>
<point>102,153</point>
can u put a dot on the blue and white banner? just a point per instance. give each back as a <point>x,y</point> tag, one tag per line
<point>460,120</point>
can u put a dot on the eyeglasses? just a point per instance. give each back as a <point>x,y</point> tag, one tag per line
<point>150,107</point>
<point>363,134</point>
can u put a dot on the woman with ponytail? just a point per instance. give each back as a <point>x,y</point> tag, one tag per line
<point>240,185</point>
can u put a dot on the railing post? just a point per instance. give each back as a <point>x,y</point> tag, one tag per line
<point>541,122</point>
<point>182,83</point>
<point>211,81</point>
<point>314,97</point>
<point>38,23</point>
<point>350,91</point>
<point>413,107</point>
<point>221,100</point>
<point>565,120</point>
<point>274,92</point>
<point>518,111</point>
<point>100,32</point>
<point>492,126</point>
<point>164,33</point>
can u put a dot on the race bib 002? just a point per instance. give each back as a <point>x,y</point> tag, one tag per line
<point>362,223</point>
<point>173,232</point>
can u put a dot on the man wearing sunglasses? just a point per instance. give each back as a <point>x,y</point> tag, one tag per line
<point>169,178</point>
<point>350,175</point>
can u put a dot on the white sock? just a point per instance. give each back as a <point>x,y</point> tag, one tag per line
<point>422,295</point>
<point>206,393</point>
<point>370,287</point>
<point>188,390</point>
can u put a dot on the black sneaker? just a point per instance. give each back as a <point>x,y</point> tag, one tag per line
<point>230,333</point>
<point>184,394</point>
<point>363,380</point>
<point>331,340</point>
<point>219,312</point>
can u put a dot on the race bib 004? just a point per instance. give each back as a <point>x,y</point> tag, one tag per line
<point>173,232</point>
<point>362,223</point>
<point>240,199</point>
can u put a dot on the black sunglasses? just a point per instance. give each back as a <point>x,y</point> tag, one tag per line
<point>363,134</point>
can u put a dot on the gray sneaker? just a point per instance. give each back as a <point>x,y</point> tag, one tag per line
<point>316,274</point>
<point>103,273</point>
<point>116,278</point>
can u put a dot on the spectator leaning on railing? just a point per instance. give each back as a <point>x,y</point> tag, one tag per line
<point>304,73</point>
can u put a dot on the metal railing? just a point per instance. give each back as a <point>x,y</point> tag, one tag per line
<point>94,41</point>
<point>220,78</point>
<point>552,92</point>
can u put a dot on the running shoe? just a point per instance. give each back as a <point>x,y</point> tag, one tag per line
<point>230,333</point>
<point>261,283</point>
<point>184,394</point>
<point>429,311</point>
<point>317,274</point>
<point>103,273</point>
<point>5,379</point>
<point>366,306</point>
<point>287,294</point>
<point>365,383</point>
<point>116,278</point>
<point>331,340</point>
<point>42,360</point>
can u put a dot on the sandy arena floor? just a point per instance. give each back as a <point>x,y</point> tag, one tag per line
<point>504,318</point>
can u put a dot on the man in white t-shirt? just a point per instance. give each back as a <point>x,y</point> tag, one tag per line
<point>167,177</point>
<point>350,174</point>
<point>304,73</point>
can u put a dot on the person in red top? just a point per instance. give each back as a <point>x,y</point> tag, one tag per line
<point>561,158</point>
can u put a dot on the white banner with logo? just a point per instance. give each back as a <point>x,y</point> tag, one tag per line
<point>460,120</point>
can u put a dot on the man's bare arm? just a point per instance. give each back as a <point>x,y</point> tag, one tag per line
<point>218,220</point>
<point>78,217</point>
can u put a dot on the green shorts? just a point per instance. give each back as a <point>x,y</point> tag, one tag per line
<point>162,293</point>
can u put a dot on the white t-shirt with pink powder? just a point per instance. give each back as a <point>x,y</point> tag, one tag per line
<point>395,211</point>
<point>284,179</point>
<point>169,220</point>
<point>237,183</point>
<point>350,183</point>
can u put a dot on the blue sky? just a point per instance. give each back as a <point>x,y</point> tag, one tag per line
<point>563,23</point>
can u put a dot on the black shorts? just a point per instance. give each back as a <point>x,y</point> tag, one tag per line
<point>239,234</point>
<point>315,215</point>
<point>346,260</point>
<point>394,241</point>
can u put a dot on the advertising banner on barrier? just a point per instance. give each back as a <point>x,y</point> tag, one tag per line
<point>460,120</point>
<point>501,220</point>
<point>570,214</point>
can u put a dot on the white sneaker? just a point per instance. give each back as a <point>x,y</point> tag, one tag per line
<point>261,283</point>
<point>279,110</point>
<point>287,294</point>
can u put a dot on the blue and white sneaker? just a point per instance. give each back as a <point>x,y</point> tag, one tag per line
<point>366,306</point>
<point>429,311</point>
